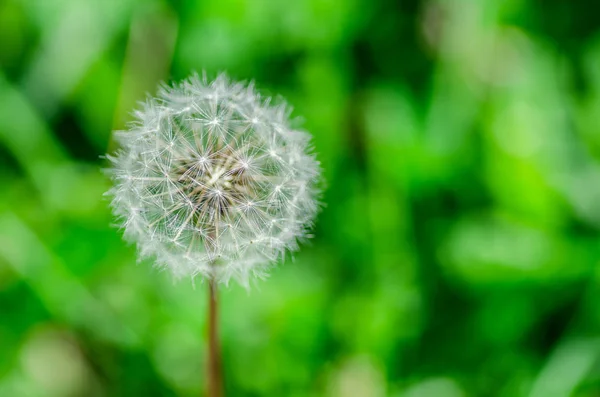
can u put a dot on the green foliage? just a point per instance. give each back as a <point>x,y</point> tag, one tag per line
<point>457,254</point>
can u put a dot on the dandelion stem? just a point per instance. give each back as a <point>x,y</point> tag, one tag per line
<point>215,379</point>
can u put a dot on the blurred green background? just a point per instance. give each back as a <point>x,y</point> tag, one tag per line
<point>457,254</point>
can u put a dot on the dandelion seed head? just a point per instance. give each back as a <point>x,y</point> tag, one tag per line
<point>212,181</point>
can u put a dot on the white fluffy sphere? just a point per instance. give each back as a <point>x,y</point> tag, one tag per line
<point>212,181</point>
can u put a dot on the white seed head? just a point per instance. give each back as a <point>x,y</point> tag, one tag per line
<point>212,181</point>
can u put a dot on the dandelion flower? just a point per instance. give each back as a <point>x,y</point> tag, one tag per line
<point>212,180</point>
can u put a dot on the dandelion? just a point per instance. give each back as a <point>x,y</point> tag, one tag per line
<point>212,181</point>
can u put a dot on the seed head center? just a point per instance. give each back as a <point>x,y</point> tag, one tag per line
<point>215,185</point>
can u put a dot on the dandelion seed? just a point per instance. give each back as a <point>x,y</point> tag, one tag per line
<point>212,181</point>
